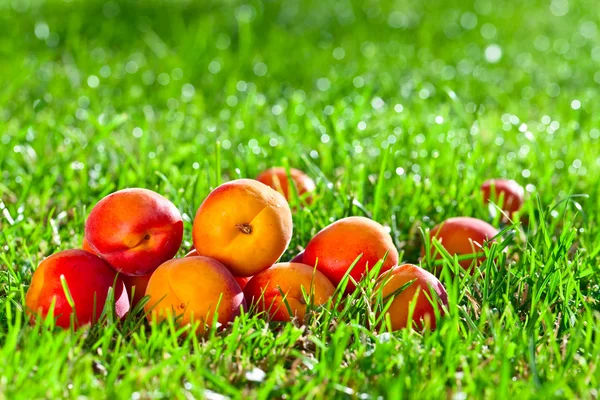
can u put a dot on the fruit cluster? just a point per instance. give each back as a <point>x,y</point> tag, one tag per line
<point>240,232</point>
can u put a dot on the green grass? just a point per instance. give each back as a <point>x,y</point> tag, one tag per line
<point>397,113</point>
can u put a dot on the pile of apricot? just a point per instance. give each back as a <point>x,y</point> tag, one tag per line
<point>240,232</point>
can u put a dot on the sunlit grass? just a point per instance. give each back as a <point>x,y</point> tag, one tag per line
<point>398,111</point>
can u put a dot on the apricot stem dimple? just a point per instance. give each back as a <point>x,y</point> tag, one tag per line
<point>147,237</point>
<point>245,228</point>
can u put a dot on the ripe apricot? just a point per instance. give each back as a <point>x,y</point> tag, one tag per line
<point>134,230</point>
<point>277,179</point>
<point>194,288</point>
<point>88,279</point>
<point>339,244</point>
<point>245,225</point>
<point>418,295</point>
<point>265,290</point>
<point>507,194</point>
<point>241,280</point>
<point>463,236</point>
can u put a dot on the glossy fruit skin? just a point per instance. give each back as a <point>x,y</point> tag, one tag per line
<point>513,194</point>
<point>338,245</point>
<point>462,236</point>
<point>134,230</point>
<point>265,290</point>
<point>277,179</point>
<point>241,280</point>
<point>243,224</point>
<point>191,288</point>
<point>89,280</point>
<point>418,293</point>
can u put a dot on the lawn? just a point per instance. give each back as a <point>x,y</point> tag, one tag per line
<point>398,110</point>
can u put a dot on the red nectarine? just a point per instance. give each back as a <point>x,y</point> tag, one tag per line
<point>277,179</point>
<point>338,245</point>
<point>463,236</point>
<point>134,230</point>
<point>423,294</point>
<point>265,290</point>
<point>88,279</point>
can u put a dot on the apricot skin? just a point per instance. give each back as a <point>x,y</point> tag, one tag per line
<point>241,280</point>
<point>264,290</point>
<point>277,179</point>
<point>243,224</point>
<point>338,245</point>
<point>418,293</point>
<point>511,192</point>
<point>192,287</point>
<point>462,236</point>
<point>88,279</point>
<point>134,230</point>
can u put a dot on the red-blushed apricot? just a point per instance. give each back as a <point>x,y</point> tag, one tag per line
<point>134,230</point>
<point>299,258</point>
<point>194,288</point>
<point>86,246</point>
<point>334,249</point>
<point>462,236</point>
<point>277,179</point>
<point>136,287</point>
<point>241,280</point>
<point>424,294</point>
<point>245,225</point>
<point>88,279</point>
<point>508,194</point>
<point>265,290</point>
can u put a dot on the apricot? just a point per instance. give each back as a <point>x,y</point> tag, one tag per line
<point>194,289</point>
<point>463,236</point>
<point>88,279</point>
<point>241,280</point>
<point>265,290</point>
<point>134,230</point>
<point>136,287</point>
<point>507,194</point>
<point>243,224</point>
<point>299,258</point>
<point>277,178</point>
<point>419,294</point>
<point>337,246</point>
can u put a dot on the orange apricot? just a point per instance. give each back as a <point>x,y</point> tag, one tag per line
<point>193,289</point>
<point>277,178</point>
<point>134,230</point>
<point>463,236</point>
<point>508,194</point>
<point>423,294</point>
<point>336,247</point>
<point>243,224</point>
<point>88,279</point>
<point>241,280</point>
<point>265,290</point>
